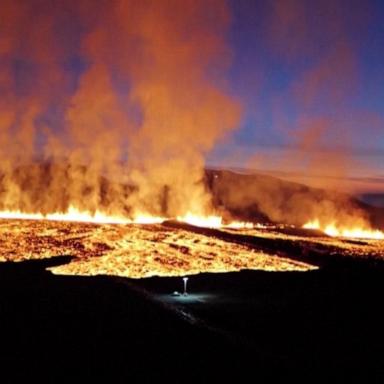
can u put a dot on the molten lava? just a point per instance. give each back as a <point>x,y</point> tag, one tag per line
<point>73,214</point>
<point>116,245</point>
<point>334,230</point>
<point>134,251</point>
<point>201,221</point>
<point>212,222</point>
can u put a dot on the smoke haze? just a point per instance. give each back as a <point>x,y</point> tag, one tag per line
<point>130,89</point>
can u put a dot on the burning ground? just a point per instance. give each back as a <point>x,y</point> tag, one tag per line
<point>174,248</point>
<point>134,251</point>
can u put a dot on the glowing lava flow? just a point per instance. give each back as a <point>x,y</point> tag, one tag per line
<point>334,231</point>
<point>201,221</point>
<point>18,215</point>
<point>75,215</point>
<point>134,251</point>
<point>212,222</point>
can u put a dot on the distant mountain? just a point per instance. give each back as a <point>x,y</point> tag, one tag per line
<point>251,196</point>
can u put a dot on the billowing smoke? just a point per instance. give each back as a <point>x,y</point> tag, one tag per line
<point>266,198</point>
<point>129,91</point>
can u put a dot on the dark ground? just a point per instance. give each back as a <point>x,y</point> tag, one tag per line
<point>322,326</point>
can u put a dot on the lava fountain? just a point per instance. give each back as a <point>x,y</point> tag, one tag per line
<point>74,214</point>
<point>334,230</point>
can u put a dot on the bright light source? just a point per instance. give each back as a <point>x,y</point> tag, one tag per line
<point>185,280</point>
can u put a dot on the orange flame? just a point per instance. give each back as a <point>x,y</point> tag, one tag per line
<point>73,214</point>
<point>212,221</point>
<point>334,230</point>
<point>202,221</point>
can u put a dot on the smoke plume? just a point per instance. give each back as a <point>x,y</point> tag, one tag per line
<point>125,90</point>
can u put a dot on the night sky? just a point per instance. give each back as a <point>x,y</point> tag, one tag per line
<point>310,79</point>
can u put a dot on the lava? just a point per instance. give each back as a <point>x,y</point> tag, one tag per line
<point>134,251</point>
<point>212,221</point>
<point>144,246</point>
<point>73,214</point>
<point>334,230</point>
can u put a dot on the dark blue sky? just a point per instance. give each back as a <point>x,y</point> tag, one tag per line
<point>309,75</point>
